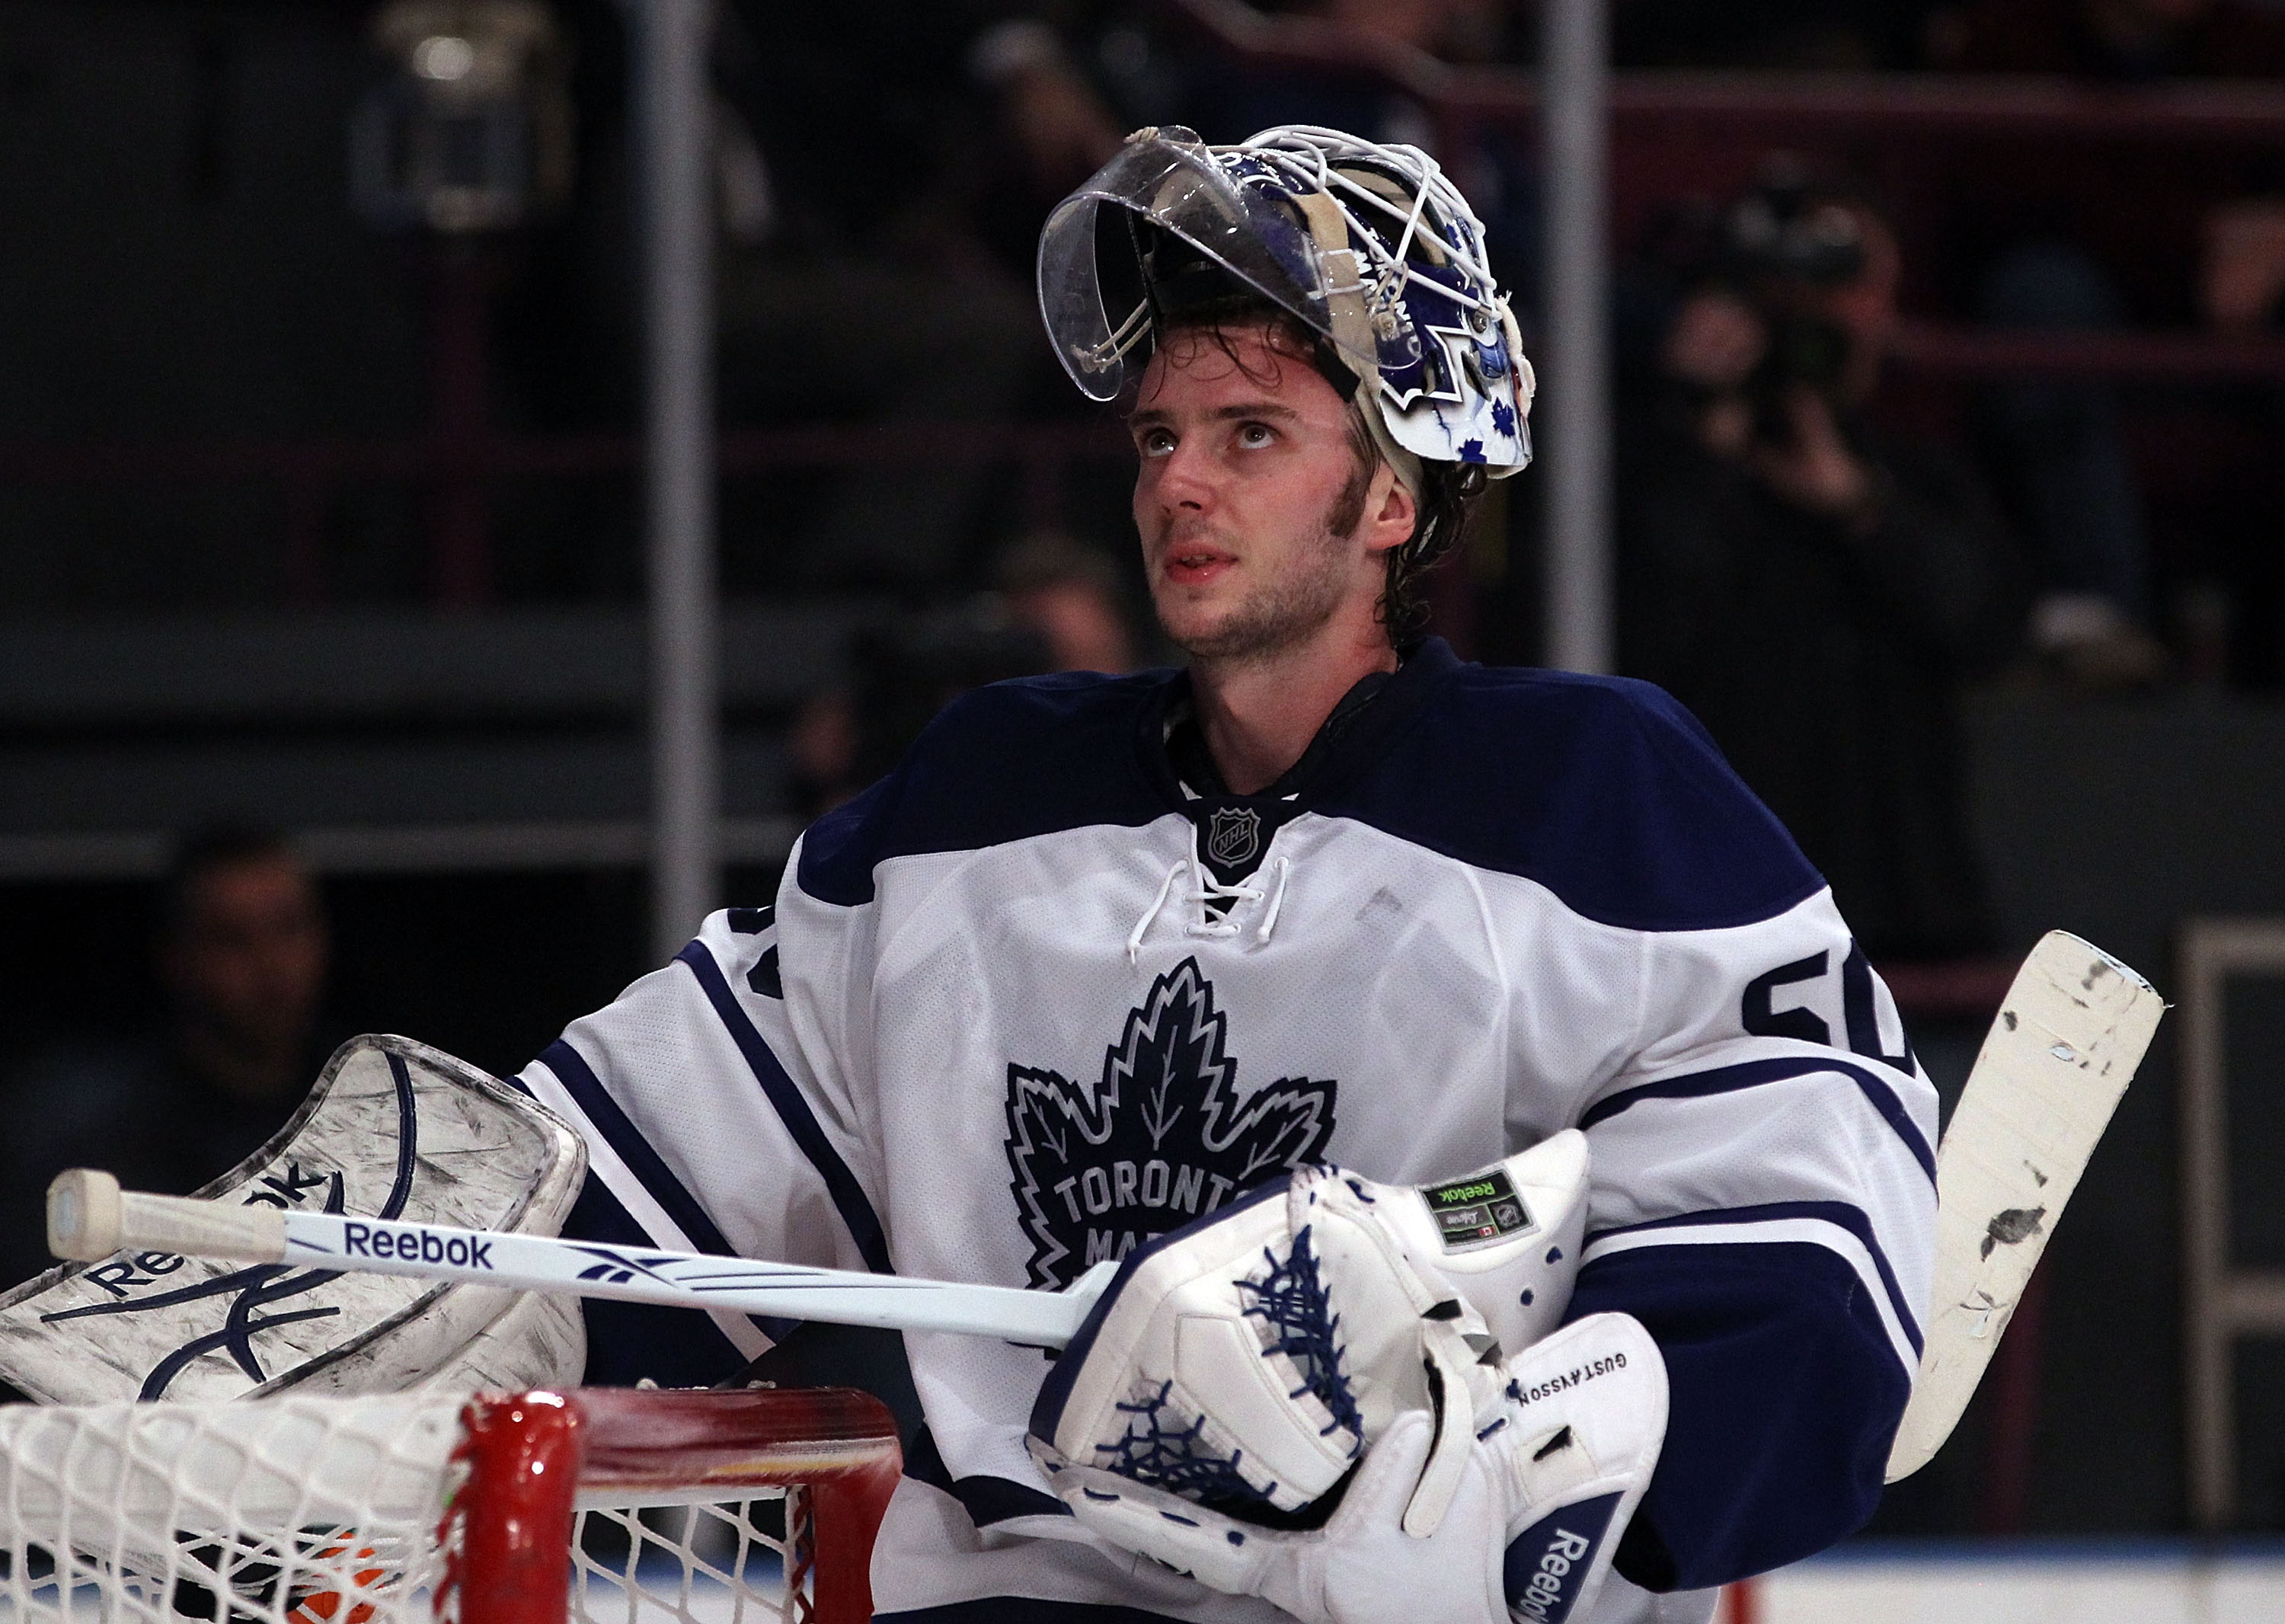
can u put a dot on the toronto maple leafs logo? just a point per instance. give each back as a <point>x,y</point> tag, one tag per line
<point>1164,1137</point>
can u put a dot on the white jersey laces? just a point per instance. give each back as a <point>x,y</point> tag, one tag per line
<point>1204,891</point>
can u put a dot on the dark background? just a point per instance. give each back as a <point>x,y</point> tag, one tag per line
<point>218,598</point>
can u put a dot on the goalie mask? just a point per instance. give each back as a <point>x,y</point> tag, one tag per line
<point>1368,245</point>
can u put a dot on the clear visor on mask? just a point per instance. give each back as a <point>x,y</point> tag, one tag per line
<point>1168,179</point>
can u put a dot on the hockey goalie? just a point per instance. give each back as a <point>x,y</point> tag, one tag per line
<point>1299,983</point>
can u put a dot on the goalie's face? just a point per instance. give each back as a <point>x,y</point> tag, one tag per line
<point>1265,518</point>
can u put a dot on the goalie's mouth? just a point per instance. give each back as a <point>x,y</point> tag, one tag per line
<point>1192,563</point>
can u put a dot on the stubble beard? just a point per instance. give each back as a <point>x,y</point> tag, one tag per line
<point>1276,615</point>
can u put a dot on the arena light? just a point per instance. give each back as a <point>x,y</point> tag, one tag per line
<point>471,131</point>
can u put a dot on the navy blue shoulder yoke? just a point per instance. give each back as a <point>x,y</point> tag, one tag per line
<point>1002,763</point>
<point>1602,788</point>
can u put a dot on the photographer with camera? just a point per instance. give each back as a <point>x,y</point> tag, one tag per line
<point>1815,588</point>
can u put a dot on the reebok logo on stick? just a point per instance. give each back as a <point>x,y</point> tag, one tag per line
<point>408,1242</point>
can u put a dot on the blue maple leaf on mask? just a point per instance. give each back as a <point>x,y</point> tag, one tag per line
<point>1503,418</point>
<point>1471,450</point>
<point>1163,1137</point>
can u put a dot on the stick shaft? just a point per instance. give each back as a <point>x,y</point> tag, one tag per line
<point>690,1280</point>
<point>545,1263</point>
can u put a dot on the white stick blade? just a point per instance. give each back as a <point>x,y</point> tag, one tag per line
<point>2073,1028</point>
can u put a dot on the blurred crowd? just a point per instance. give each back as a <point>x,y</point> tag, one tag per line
<point>1819,575</point>
<point>876,268</point>
<point>241,946</point>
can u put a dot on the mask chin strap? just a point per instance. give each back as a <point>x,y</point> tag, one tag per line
<point>1526,390</point>
<point>1355,336</point>
<point>1352,331</point>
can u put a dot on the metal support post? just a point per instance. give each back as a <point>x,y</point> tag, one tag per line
<point>1574,418</point>
<point>673,158</point>
<point>2222,1300</point>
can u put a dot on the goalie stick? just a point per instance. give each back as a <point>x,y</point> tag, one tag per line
<point>2073,1027</point>
<point>1531,1203</point>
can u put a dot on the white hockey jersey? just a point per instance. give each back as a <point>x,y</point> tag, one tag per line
<point>996,1027</point>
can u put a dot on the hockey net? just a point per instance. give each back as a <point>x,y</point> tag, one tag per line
<point>603,1505</point>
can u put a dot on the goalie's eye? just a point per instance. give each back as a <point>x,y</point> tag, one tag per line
<point>1254,436</point>
<point>1155,441</point>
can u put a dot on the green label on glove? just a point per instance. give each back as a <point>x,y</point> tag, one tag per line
<point>1480,1209</point>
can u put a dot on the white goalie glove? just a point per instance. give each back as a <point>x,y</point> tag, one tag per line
<point>1290,1400</point>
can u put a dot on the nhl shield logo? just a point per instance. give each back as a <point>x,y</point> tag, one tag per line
<point>1233,835</point>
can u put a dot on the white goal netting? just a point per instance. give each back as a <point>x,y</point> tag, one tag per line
<point>359,1511</point>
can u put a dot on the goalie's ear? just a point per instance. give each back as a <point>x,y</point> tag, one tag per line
<point>393,1129</point>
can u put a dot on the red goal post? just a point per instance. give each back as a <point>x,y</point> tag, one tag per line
<point>593,1504</point>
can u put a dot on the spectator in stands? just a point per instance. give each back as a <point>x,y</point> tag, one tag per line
<point>242,949</point>
<point>1059,605</point>
<point>2059,452</point>
<point>1371,38</point>
<point>1071,596</point>
<point>879,183</point>
<point>1052,124</point>
<point>2118,40</point>
<point>1814,588</point>
<point>2243,285</point>
<point>1342,64</point>
<point>2066,244</point>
